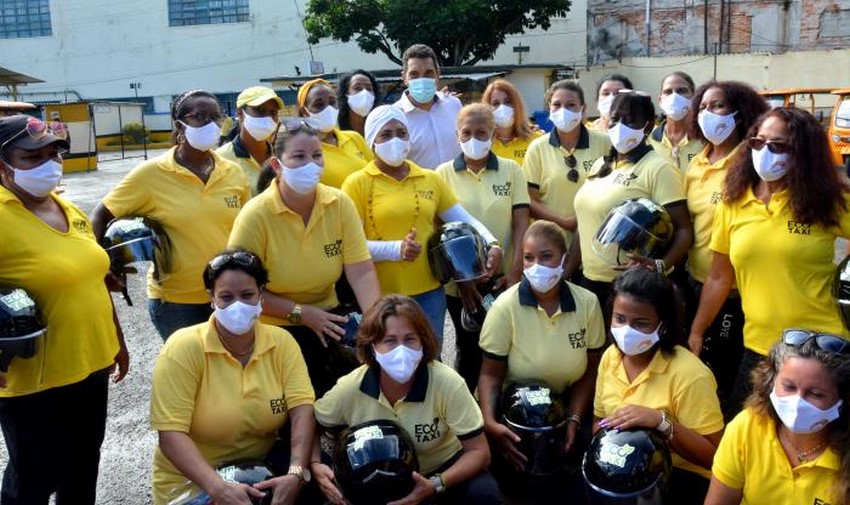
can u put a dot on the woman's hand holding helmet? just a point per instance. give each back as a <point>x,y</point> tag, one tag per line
<point>324,476</point>
<point>323,323</point>
<point>422,490</point>
<point>632,416</point>
<point>507,440</point>
<point>284,489</point>
<point>234,493</point>
<point>494,260</point>
<point>636,260</point>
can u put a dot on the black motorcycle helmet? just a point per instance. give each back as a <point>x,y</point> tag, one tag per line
<point>374,462</point>
<point>456,252</point>
<point>243,472</point>
<point>472,321</point>
<point>21,326</point>
<point>138,239</point>
<point>841,290</point>
<point>342,354</point>
<point>532,410</point>
<point>636,226</point>
<point>627,467</point>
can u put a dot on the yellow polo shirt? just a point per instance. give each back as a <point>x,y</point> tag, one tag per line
<point>652,176</point>
<point>783,268</point>
<point>546,170</point>
<point>234,151</point>
<point>63,274</point>
<point>389,209</point>
<point>197,217</point>
<point>704,189</point>
<point>679,384</point>
<point>228,411</point>
<point>437,413</point>
<point>536,346</point>
<point>750,458</point>
<point>516,148</point>
<point>490,196</point>
<point>681,154</point>
<point>349,155</point>
<point>304,263</point>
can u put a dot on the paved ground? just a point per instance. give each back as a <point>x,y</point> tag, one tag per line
<point>125,469</point>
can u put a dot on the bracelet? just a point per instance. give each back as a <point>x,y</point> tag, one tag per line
<point>574,418</point>
<point>661,267</point>
<point>493,244</point>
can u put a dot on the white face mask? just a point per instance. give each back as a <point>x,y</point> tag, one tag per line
<point>543,278</point>
<point>633,342</point>
<point>400,363</point>
<point>238,317</point>
<point>604,105</point>
<point>565,120</point>
<point>715,127</point>
<point>393,152</point>
<point>204,138</point>
<point>504,115</point>
<point>259,128</point>
<point>475,149</point>
<point>624,138</point>
<point>802,417</point>
<point>38,181</point>
<point>325,119</point>
<point>303,179</point>
<point>770,166</point>
<point>361,102</point>
<point>675,106</point>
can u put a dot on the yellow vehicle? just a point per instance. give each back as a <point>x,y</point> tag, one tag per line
<point>817,101</point>
<point>839,126</point>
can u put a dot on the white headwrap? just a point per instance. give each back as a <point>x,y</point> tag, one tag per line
<point>378,118</point>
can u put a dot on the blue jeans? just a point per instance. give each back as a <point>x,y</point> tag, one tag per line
<point>433,303</point>
<point>169,317</point>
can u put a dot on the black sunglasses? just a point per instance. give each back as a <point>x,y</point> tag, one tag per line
<point>758,144</point>
<point>571,162</point>
<point>824,341</point>
<point>241,258</point>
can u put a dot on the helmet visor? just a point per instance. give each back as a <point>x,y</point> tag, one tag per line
<point>619,236</point>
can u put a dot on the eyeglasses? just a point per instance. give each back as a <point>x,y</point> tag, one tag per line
<point>824,341</point>
<point>571,162</point>
<point>205,119</point>
<point>37,129</point>
<point>240,258</point>
<point>295,124</point>
<point>757,144</point>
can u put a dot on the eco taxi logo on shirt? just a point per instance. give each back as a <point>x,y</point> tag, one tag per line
<point>333,249</point>
<point>798,228</point>
<point>278,405</point>
<point>616,455</point>
<point>427,432</point>
<point>577,340</point>
<point>427,194</point>
<point>625,179</point>
<point>502,189</point>
<point>232,202</point>
<point>82,227</point>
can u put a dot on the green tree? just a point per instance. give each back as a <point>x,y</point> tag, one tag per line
<point>461,32</point>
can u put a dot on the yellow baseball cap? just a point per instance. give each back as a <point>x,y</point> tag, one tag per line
<point>257,95</point>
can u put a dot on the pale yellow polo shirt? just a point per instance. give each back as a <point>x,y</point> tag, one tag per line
<point>546,170</point>
<point>304,263</point>
<point>197,217</point>
<point>750,458</point>
<point>652,176</point>
<point>681,154</point>
<point>437,413</point>
<point>679,384</point>
<point>234,151</point>
<point>348,156</point>
<point>516,148</point>
<point>536,346</point>
<point>390,208</point>
<point>231,413</point>
<point>64,275</point>
<point>704,189</point>
<point>784,269</point>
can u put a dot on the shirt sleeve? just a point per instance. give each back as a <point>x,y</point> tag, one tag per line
<point>729,461</point>
<point>667,185</point>
<point>297,388</point>
<point>462,414</point>
<point>132,195</point>
<point>176,379</point>
<point>447,196</point>
<point>720,231</point>
<point>353,188</point>
<point>844,220</point>
<point>249,232</point>
<point>519,187</point>
<point>330,409</point>
<point>695,404</point>
<point>601,380</point>
<point>495,339</point>
<point>354,248</point>
<point>532,166</point>
<point>595,327</point>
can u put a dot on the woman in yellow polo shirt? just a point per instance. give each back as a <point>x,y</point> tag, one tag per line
<point>398,202</point>
<point>52,404</point>
<point>726,111</point>
<point>556,165</point>
<point>358,93</point>
<point>402,380</point>
<point>791,443</point>
<point>542,328</point>
<point>222,389</point>
<point>632,169</point>
<point>774,235</point>
<point>514,132</point>
<point>606,91</point>
<point>194,194</point>
<point>672,137</point>
<point>645,380</point>
<point>309,235</point>
<point>344,150</point>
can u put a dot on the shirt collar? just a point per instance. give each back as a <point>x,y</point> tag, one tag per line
<point>408,106</point>
<point>324,197</point>
<point>6,196</point>
<point>415,170</point>
<point>527,298</point>
<point>262,341</point>
<point>776,199</point>
<point>239,149</point>
<point>492,162</point>
<point>658,133</point>
<point>371,383</point>
<point>583,138</point>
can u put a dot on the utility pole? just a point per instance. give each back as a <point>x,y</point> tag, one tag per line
<point>135,87</point>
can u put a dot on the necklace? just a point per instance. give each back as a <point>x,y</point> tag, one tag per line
<point>208,166</point>
<point>804,455</point>
<point>371,215</point>
<point>234,352</point>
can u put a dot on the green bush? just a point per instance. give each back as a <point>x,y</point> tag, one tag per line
<point>135,133</point>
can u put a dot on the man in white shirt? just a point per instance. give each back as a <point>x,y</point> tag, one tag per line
<point>430,114</point>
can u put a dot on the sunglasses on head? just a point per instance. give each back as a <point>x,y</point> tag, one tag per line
<point>37,129</point>
<point>241,258</point>
<point>296,124</point>
<point>757,144</point>
<point>571,162</point>
<point>824,341</point>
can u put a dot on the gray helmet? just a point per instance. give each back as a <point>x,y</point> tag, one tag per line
<point>636,226</point>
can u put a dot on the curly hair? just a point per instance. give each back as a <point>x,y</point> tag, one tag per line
<point>522,127</point>
<point>742,98</point>
<point>654,289</point>
<point>838,367</point>
<point>342,95</point>
<point>373,327</point>
<point>817,190</point>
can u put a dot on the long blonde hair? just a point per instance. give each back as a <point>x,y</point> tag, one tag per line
<point>522,126</point>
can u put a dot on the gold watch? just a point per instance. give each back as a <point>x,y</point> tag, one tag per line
<point>300,472</point>
<point>294,317</point>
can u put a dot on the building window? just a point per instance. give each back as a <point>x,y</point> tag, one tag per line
<point>24,18</point>
<point>206,12</point>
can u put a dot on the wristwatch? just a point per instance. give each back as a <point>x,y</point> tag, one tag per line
<point>300,472</point>
<point>665,426</point>
<point>437,481</point>
<point>294,317</point>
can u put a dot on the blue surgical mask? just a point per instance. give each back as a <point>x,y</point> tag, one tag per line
<point>422,90</point>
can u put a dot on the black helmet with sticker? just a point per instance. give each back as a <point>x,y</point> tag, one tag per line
<point>535,412</point>
<point>21,326</point>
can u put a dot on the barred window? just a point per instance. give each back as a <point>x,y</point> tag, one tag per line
<point>206,12</point>
<point>24,18</point>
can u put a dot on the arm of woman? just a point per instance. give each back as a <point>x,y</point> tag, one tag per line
<point>122,359</point>
<point>540,211</point>
<point>573,258</point>
<point>364,281</point>
<point>721,494</point>
<point>581,395</point>
<point>489,388</point>
<point>683,232</point>
<point>519,225</point>
<point>494,257</point>
<point>323,323</point>
<point>285,488</point>
<point>714,292</point>
<point>100,218</point>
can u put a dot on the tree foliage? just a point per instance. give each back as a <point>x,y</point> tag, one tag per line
<point>462,32</point>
